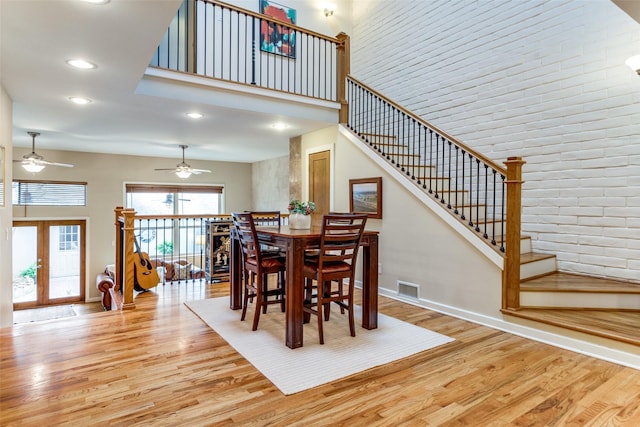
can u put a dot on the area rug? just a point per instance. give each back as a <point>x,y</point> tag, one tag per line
<point>44,313</point>
<point>294,370</point>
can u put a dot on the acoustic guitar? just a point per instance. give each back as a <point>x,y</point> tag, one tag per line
<point>145,276</point>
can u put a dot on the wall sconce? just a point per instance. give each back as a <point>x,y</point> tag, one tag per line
<point>634,63</point>
<point>329,9</point>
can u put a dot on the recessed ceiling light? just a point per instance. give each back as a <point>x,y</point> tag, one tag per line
<point>82,64</point>
<point>79,100</point>
<point>280,126</point>
<point>195,115</point>
<point>97,1</point>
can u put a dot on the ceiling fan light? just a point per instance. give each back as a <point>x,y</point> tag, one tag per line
<point>183,174</point>
<point>33,167</point>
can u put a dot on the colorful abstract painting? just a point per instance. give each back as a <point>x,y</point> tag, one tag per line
<point>276,38</point>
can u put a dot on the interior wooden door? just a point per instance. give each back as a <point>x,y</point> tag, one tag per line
<point>320,183</point>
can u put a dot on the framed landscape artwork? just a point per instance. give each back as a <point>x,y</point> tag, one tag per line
<point>276,38</point>
<point>365,196</point>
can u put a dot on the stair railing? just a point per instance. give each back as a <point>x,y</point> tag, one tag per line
<point>221,41</point>
<point>473,188</point>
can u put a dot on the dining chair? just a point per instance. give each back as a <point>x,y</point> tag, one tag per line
<point>334,263</point>
<point>270,219</point>
<point>256,269</point>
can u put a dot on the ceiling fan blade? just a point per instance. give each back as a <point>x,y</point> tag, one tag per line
<point>166,169</point>
<point>64,165</point>
<point>199,171</point>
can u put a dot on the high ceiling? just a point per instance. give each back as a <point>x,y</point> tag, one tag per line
<point>38,36</point>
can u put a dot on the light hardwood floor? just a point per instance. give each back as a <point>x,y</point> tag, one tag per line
<point>160,365</point>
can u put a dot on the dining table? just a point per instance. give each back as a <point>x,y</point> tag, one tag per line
<point>294,242</point>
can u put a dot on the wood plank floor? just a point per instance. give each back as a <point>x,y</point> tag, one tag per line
<point>160,365</point>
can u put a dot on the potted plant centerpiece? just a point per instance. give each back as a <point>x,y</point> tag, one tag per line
<point>300,213</point>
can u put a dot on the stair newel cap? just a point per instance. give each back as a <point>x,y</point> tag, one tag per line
<point>514,169</point>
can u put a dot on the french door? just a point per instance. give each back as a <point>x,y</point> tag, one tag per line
<point>48,262</point>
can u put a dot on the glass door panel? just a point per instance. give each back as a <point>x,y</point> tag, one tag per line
<point>64,261</point>
<point>25,264</point>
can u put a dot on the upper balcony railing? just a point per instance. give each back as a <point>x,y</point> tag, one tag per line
<point>217,40</point>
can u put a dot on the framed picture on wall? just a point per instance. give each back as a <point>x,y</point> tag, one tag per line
<point>365,196</point>
<point>276,38</point>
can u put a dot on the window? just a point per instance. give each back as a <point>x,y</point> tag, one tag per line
<point>166,235</point>
<point>68,237</point>
<point>175,199</point>
<point>49,193</point>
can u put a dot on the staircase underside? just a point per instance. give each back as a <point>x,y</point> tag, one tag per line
<point>621,325</point>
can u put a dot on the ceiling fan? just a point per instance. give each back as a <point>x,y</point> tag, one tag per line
<point>184,170</point>
<point>33,162</point>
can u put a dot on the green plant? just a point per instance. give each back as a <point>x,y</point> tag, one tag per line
<point>304,208</point>
<point>29,271</point>
<point>165,247</point>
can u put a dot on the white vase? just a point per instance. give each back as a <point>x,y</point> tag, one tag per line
<point>299,221</point>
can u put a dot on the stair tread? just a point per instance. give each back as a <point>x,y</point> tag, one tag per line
<point>623,326</point>
<point>568,282</point>
<point>528,257</point>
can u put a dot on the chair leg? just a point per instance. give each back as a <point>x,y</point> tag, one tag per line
<point>281,284</point>
<point>340,291</point>
<point>320,330</point>
<point>265,290</point>
<point>245,301</point>
<point>259,305</point>
<point>326,291</point>
<point>352,322</point>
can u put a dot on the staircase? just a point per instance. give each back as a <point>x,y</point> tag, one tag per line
<point>604,308</point>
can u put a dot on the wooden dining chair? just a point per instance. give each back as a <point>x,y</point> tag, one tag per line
<point>335,262</point>
<point>269,219</point>
<point>256,268</point>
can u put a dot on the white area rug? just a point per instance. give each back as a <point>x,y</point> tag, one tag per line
<point>313,364</point>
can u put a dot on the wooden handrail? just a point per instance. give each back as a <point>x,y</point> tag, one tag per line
<point>419,119</point>
<point>271,19</point>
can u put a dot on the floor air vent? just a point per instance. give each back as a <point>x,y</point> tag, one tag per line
<point>408,290</point>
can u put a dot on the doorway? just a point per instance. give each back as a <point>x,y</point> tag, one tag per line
<point>320,183</point>
<point>48,263</point>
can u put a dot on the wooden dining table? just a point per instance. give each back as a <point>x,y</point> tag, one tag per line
<point>294,242</point>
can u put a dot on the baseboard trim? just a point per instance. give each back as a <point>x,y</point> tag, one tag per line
<point>582,346</point>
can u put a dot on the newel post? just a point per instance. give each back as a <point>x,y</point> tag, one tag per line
<point>511,272</point>
<point>127,289</point>
<point>343,69</point>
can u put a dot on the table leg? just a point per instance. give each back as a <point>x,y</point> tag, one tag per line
<point>294,293</point>
<point>370,283</point>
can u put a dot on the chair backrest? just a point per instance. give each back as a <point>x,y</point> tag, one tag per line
<point>341,236</point>
<point>266,218</point>
<point>247,236</point>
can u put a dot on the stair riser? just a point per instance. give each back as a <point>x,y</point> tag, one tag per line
<point>579,300</point>
<point>537,268</point>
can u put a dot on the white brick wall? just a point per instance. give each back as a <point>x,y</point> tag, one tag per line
<point>544,80</point>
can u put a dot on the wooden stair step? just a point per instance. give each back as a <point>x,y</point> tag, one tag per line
<point>570,282</point>
<point>622,326</point>
<point>574,291</point>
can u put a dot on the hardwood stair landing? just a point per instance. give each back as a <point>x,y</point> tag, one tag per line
<point>619,323</point>
<point>622,326</point>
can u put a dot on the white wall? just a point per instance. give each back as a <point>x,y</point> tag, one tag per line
<point>105,175</point>
<point>416,246</point>
<point>6,141</point>
<point>544,80</point>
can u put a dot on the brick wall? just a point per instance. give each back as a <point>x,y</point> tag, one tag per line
<point>544,80</point>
